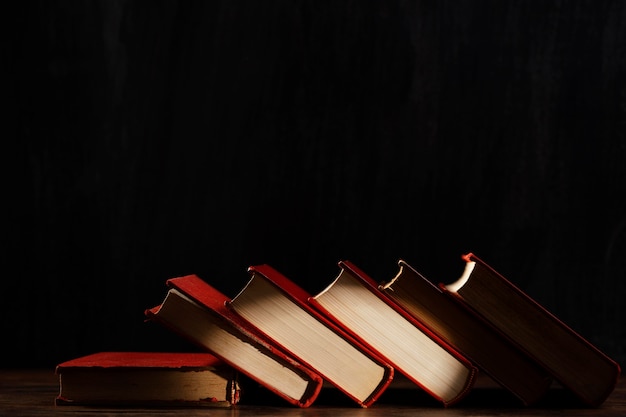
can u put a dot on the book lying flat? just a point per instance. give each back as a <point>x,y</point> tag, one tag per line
<point>147,379</point>
<point>279,308</point>
<point>494,355</point>
<point>354,301</point>
<point>198,312</point>
<point>571,360</point>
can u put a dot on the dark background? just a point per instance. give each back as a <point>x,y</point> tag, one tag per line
<point>147,140</point>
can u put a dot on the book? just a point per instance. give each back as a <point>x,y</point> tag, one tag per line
<point>197,311</point>
<point>354,300</point>
<point>278,307</point>
<point>494,355</point>
<point>571,359</point>
<point>147,379</point>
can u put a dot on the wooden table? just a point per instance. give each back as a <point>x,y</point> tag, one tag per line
<point>32,393</point>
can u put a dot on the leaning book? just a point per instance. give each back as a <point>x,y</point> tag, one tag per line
<point>173,379</point>
<point>197,311</point>
<point>571,359</point>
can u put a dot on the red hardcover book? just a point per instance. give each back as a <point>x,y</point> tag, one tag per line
<point>354,301</point>
<point>279,308</point>
<point>571,359</point>
<point>198,312</point>
<point>147,379</point>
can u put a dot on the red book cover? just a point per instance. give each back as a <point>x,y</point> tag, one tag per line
<point>300,297</point>
<point>209,297</point>
<point>176,360</point>
<point>372,286</point>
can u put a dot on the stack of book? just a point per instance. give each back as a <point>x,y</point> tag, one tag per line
<point>355,335</point>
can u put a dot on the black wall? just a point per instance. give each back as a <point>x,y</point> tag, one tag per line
<point>146,140</point>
